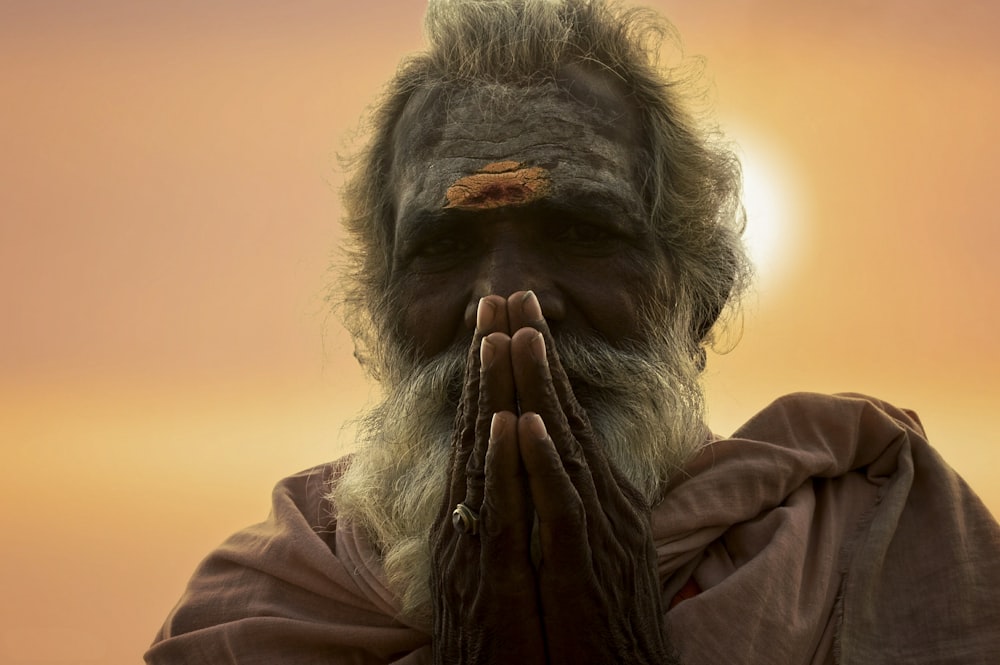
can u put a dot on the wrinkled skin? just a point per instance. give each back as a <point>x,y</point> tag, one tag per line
<point>539,191</point>
<point>581,243</point>
<point>594,595</point>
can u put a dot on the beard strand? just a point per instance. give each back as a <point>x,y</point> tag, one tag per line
<point>645,406</point>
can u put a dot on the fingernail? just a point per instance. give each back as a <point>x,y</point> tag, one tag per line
<point>496,426</point>
<point>530,308</point>
<point>537,348</point>
<point>536,426</point>
<point>486,352</point>
<point>485,314</point>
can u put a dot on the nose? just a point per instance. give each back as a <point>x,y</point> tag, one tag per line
<point>513,266</point>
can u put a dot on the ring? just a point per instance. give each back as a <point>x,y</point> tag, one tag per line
<point>465,520</point>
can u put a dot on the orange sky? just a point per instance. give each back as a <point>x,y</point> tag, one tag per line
<point>169,209</point>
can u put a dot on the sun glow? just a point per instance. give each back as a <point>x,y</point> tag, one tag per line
<point>768,197</point>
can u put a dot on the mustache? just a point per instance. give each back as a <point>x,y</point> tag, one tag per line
<point>596,369</point>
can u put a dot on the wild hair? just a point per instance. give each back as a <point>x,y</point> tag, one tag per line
<point>692,179</point>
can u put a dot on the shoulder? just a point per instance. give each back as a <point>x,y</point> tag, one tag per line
<point>302,499</point>
<point>293,588</point>
<point>803,436</point>
<point>246,574</point>
<point>842,415</point>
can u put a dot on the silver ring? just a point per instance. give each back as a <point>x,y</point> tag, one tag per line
<point>465,520</point>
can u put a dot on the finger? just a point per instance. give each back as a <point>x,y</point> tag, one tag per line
<point>491,313</point>
<point>496,377</point>
<point>524,311</point>
<point>492,316</point>
<point>496,393</point>
<point>562,516</point>
<point>506,518</point>
<point>581,457</point>
<point>537,393</point>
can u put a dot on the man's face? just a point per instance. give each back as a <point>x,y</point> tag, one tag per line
<point>507,189</point>
<point>499,190</point>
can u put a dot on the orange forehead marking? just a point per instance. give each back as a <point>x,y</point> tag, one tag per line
<point>499,184</point>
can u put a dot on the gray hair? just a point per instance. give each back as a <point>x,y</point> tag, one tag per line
<point>692,180</point>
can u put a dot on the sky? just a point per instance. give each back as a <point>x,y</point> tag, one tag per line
<point>169,216</point>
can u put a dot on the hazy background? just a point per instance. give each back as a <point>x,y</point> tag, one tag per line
<point>168,208</point>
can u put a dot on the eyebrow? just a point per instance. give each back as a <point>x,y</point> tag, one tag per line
<point>423,223</point>
<point>607,204</point>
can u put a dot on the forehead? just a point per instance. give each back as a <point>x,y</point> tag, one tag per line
<point>574,135</point>
<point>599,101</point>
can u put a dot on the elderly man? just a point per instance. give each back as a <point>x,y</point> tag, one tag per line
<point>550,493</point>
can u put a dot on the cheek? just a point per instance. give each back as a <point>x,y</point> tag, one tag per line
<point>610,298</point>
<point>432,312</point>
<point>612,312</point>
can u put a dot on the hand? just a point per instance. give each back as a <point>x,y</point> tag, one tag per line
<point>594,596</point>
<point>485,599</point>
<point>598,585</point>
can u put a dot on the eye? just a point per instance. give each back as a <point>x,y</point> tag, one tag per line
<point>443,246</point>
<point>439,252</point>
<point>586,233</point>
<point>585,238</point>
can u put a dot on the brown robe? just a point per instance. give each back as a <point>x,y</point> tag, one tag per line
<point>825,530</point>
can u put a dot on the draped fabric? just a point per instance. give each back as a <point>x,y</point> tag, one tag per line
<point>825,530</point>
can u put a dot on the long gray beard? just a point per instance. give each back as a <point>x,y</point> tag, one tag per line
<point>645,406</point>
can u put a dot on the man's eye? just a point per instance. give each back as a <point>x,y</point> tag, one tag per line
<point>441,253</point>
<point>446,246</point>
<point>591,237</point>
<point>586,233</point>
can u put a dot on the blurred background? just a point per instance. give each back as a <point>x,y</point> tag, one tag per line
<point>169,211</point>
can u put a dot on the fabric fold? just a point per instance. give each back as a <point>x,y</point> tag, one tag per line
<point>843,532</point>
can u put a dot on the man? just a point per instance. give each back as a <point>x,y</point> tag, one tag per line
<point>549,493</point>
